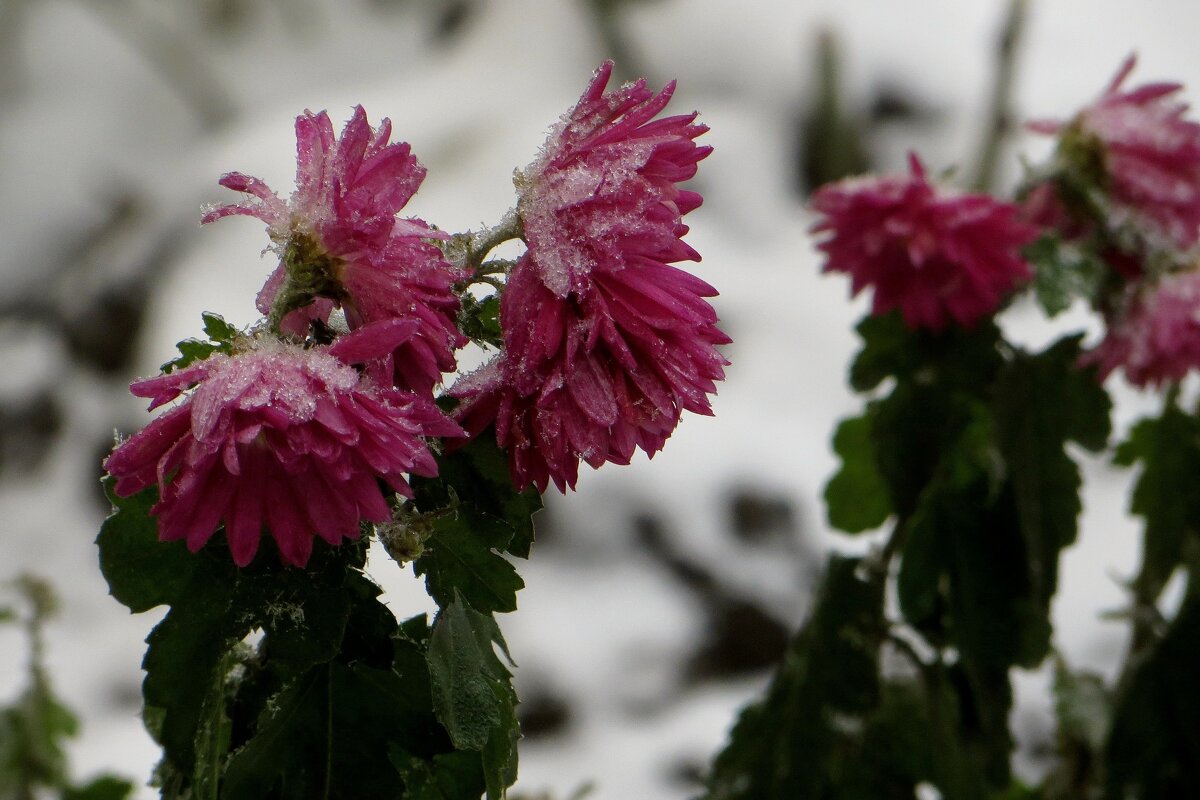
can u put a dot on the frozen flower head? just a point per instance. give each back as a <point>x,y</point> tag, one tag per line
<point>594,377</point>
<point>1137,148</point>
<point>603,196</point>
<point>937,255</point>
<point>340,243</point>
<point>292,439</point>
<point>1155,335</point>
<point>605,343</point>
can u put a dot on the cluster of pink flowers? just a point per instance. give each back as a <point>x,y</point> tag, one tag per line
<point>304,432</point>
<point>935,254</point>
<point>605,343</point>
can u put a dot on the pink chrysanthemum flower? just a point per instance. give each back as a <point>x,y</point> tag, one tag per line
<point>935,254</point>
<point>603,195</point>
<point>280,436</point>
<point>605,343</point>
<point>1147,153</point>
<point>340,242</point>
<point>1155,336</point>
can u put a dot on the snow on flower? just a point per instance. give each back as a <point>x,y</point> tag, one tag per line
<point>605,343</point>
<point>1147,153</point>
<point>1155,336</point>
<point>277,435</point>
<point>935,254</point>
<point>340,242</point>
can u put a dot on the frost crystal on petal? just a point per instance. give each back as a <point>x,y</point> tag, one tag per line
<point>280,437</point>
<point>605,343</point>
<point>340,243</point>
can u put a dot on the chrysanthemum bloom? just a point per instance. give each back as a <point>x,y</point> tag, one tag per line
<point>340,242</point>
<point>280,436</point>
<point>1136,146</point>
<point>935,254</point>
<point>605,343</point>
<point>1155,336</point>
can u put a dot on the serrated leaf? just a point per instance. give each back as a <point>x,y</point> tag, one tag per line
<point>1154,744</point>
<point>480,320</point>
<point>1165,496</point>
<point>479,477</point>
<point>856,497</point>
<point>448,776</point>
<point>141,571</point>
<point>784,746</point>
<point>462,556</point>
<point>330,733</point>
<point>1063,271</point>
<point>464,671</point>
<point>183,655</point>
<point>955,357</point>
<point>1041,402</point>
<point>217,329</point>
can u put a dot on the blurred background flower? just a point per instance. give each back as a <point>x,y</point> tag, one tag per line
<point>660,594</point>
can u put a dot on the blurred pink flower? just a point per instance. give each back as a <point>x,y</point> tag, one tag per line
<point>277,435</point>
<point>1148,153</point>
<point>605,343</point>
<point>1155,336</point>
<point>340,242</point>
<point>935,254</point>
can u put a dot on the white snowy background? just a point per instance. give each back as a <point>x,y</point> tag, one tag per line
<point>104,163</point>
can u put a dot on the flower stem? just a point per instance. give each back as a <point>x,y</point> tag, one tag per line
<point>999,117</point>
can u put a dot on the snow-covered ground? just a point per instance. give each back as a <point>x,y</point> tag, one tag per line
<point>86,118</point>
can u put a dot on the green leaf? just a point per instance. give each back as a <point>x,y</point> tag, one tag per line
<point>184,652</point>
<point>856,498</point>
<point>786,746</point>
<point>478,476</point>
<point>480,319</point>
<point>291,752</point>
<point>220,340</point>
<point>106,787</point>
<point>462,556</point>
<point>217,329</point>
<point>141,571</point>
<point>465,673</point>
<point>1166,496</point>
<point>1041,402</point>
<point>1063,271</point>
<point>1154,744</point>
<point>330,734</point>
<point>449,776</point>
<point>955,357</point>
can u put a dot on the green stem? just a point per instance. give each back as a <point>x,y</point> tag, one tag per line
<point>468,250</point>
<point>999,118</point>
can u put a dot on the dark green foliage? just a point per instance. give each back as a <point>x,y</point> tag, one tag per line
<point>336,699</point>
<point>220,340</point>
<point>34,729</point>
<point>968,445</point>
<point>1154,747</point>
<point>480,319</point>
<point>463,556</point>
<point>1167,494</point>
<point>793,743</point>
<point>472,690</point>
<point>1062,272</point>
<point>856,498</point>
